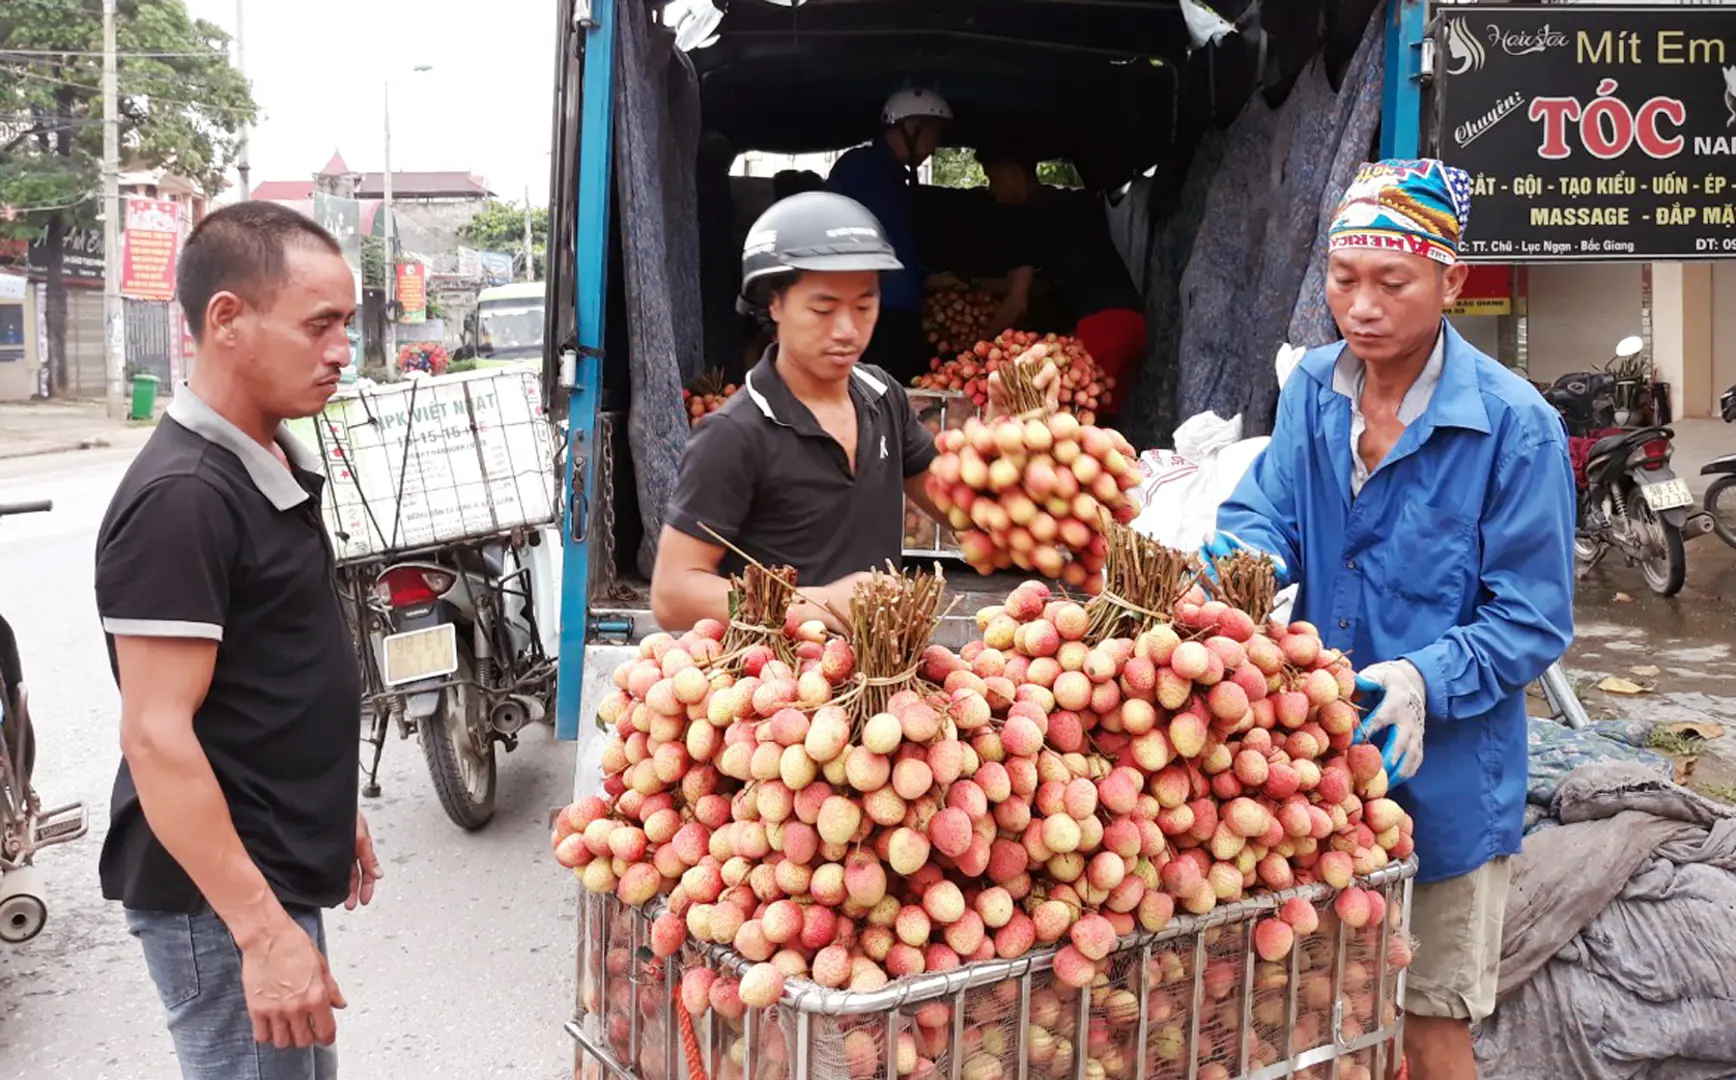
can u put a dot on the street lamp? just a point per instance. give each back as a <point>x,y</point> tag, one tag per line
<point>390,231</point>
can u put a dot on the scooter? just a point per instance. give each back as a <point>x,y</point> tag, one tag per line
<point>1630,500</point>
<point>1723,519</point>
<point>454,653</point>
<point>25,828</point>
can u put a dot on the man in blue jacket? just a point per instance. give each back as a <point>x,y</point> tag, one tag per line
<point>1423,495</point>
<point>881,176</point>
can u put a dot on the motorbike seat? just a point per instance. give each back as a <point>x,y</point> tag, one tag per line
<point>1609,444</point>
<point>1725,466</point>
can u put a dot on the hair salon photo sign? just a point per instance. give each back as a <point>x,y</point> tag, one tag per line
<point>1592,133</point>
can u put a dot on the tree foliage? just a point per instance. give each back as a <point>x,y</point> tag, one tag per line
<point>957,167</point>
<point>182,104</point>
<point>499,226</point>
<point>373,262</point>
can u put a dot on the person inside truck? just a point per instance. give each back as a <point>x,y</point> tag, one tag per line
<point>809,465</point>
<point>1421,495</point>
<point>881,176</point>
<point>787,182</point>
<point>1064,236</point>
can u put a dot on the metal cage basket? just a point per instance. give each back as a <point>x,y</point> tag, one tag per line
<point>1191,1002</point>
<point>426,462</point>
<point>939,410</point>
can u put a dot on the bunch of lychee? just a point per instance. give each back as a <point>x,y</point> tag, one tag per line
<point>1033,493</point>
<point>706,396</point>
<point>1220,754</point>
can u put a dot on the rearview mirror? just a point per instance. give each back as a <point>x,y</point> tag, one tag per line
<point>1629,346</point>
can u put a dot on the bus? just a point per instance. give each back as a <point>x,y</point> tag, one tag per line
<point>507,326</point>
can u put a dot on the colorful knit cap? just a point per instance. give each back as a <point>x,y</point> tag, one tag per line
<point>1418,207</point>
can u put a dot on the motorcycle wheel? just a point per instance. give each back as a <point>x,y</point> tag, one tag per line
<point>463,780</point>
<point>1666,568</point>
<point>1723,517</point>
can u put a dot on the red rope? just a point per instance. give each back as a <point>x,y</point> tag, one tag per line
<point>689,1041</point>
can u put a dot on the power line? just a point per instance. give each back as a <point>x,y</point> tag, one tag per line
<point>133,91</point>
<point>61,5</point>
<point>212,53</point>
<point>45,209</point>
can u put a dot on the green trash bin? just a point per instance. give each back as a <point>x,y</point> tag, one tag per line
<point>144,396</point>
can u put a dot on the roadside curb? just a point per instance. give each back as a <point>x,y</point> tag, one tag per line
<point>93,442</point>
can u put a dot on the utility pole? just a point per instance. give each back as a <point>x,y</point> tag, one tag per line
<point>529,249</point>
<point>114,338</point>
<point>389,233</point>
<point>243,166</point>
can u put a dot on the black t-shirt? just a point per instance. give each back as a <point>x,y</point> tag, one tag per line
<point>210,537</point>
<point>1065,236</point>
<point>764,474</point>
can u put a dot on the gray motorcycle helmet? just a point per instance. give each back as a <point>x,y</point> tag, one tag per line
<point>815,230</point>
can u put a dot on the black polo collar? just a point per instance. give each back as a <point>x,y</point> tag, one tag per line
<point>771,395</point>
<point>267,473</point>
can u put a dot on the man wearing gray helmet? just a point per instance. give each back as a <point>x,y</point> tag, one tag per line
<point>809,465</point>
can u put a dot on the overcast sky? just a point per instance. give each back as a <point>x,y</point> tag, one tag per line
<point>318,68</point>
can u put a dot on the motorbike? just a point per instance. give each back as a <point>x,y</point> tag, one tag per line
<point>1630,500</point>
<point>454,654</point>
<point>1617,395</point>
<point>25,827</point>
<point>1723,519</point>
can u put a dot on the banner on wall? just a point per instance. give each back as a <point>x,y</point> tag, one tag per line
<point>496,267</point>
<point>1488,291</point>
<point>149,249</point>
<point>412,292</point>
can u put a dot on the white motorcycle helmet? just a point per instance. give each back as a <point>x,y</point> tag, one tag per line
<point>914,101</point>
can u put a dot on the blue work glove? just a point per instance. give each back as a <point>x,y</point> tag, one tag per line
<point>1397,700</point>
<point>1222,544</point>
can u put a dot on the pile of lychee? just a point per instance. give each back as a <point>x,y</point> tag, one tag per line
<point>1084,389</point>
<point>1040,790</point>
<point>954,317</point>
<point>1032,493</point>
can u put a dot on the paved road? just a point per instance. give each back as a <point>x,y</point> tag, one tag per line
<point>461,968</point>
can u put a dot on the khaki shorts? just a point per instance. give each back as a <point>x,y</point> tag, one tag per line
<point>1457,927</point>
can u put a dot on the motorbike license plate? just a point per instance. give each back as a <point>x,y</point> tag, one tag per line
<point>420,654</point>
<point>1669,495</point>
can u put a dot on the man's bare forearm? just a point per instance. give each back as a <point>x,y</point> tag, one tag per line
<point>190,818</point>
<point>688,597</point>
<point>916,490</point>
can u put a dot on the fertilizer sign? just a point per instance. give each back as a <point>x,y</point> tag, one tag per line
<point>153,235</point>
<point>1592,133</point>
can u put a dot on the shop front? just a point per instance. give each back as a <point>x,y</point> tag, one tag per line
<point>17,338</point>
<point>1600,146</point>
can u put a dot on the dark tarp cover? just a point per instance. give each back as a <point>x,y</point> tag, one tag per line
<point>1237,265</point>
<point>656,145</point>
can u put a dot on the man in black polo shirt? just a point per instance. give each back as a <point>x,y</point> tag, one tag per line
<point>234,818</point>
<point>1064,236</point>
<point>809,465</point>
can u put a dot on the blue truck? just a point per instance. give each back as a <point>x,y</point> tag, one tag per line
<point>654,101</point>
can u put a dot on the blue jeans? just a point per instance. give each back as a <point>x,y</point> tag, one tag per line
<point>197,968</point>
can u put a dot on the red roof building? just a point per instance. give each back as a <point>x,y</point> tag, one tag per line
<point>405,185</point>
